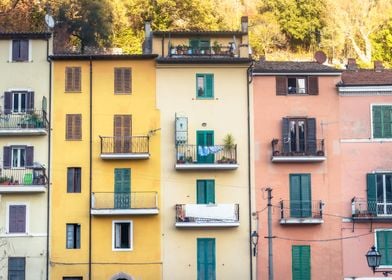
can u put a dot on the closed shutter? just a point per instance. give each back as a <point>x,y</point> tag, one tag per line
<point>201,195</point>
<point>286,135</point>
<point>122,80</point>
<point>17,219</point>
<point>73,130</point>
<point>6,157</point>
<point>306,197</point>
<point>371,190</point>
<point>206,264</point>
<point>29,156</point>
<point>15,50</point>
<point>210,191</point>
<point>68,79</point>
<point>311,140</point>
<point>73,79</point>
<point>377,123</point>
<point>127,80</point>
<point>313,88</point>
<point>281,85</point>
<point>122,187</point>
<point>205,191</point>
<point>122,133</point>
<point>387,121</point>
<point>78,127</point>
<point>300,262</point>
<point>295,196</point>
<point>24,50</point>
<point>209,80</point>
<point>117,80</point>
<point>77,81</point>
<point>30,101</point>
<point>7,102</point>
<point>384,246</point>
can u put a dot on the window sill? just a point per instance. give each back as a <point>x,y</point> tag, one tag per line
<point>20,61</point>
<point>205,98</point>
<point>123,93</point>
<point>74,91</point>
<point>122,250</point>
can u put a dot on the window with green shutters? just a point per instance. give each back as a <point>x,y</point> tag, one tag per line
<point>300,262</point>
<point>122,188</point>
<point>300,196</point>
<point>382,121</point>
<point>204,85</point>
<point>206,265</point>
<point>205,191</point>
<point>384,246</point>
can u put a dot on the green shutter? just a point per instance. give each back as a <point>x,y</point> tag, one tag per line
<point>300,196</point>
<point>300,262</point>
<point>210,191</point>
<point>204,139</point>
<point>371,193</point>
<point>377,126</point>
<point>382,121</point>
<point>386,121</point>
<point>306,197</point>
<point>205,191</point>
<point>209,84</point>
<point>384,246</point>
<point>122,187</point>
<point>206,265</point>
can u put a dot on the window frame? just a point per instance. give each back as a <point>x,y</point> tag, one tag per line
<point>8,212</point>
<point>76,234</point>
<point>204,77</point>
<point>21,156</point>
<point>376,245</point>
<point>311,85</point>
<point>75,185</point>
<point>372,121</point>
<point>75,85</point>
<point>120,77</point>
<point>74,134</point>
<point>114,222</point>
<point>24,267</point>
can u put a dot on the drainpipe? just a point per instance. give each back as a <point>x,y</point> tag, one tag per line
<point>49,162</point>
<point>90,169</point>
<point>249,79</point>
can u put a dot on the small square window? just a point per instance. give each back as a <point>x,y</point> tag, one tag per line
<point>73,236</point>
<point>20,50</point>
<point>74,178</point>
<point>204,85</point>
<point>122,235</point>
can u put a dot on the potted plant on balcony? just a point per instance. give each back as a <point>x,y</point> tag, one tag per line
<point>5,180</point>
<point>228,147</point>
<point>216,47</point>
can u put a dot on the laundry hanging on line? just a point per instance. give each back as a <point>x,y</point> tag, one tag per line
<point>208,150</point>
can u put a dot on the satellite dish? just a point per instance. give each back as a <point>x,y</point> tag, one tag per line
<point>320,57</point>
<point>49,21</point>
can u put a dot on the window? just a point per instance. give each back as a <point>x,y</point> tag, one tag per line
<point>205,191</point>
<point>72,278</point>
<point>16,268</point>
<point>18,101</point>
<point>300,262</point>
<point>291,85</point>
<point>74,175</point>
<point>379,193</point>
<point>382,121</point>
<point>17,219</point>
<point>122,80</point>
<point>73,127</point>
<point>122,235</point>
<point>204,85</point>
<point>206,259</point>
<point>18,156</point>
<point>20,50</point>
<point>299,136</point>
<point>73,236</point>
<point>199,45</point>
<point>73,79</point>
<point>300,196</point>
<point>383,243</point>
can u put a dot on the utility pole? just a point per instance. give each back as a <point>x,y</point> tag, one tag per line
<point>270,260</point>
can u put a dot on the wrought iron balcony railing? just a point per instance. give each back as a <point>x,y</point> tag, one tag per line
<point>301,209</point>
<point>217,154</point>
<point>183,50</point>
<point>289,150</point>
<point>124,201</point>
<point>367,209</point>
<point>25,176</point>
<point>207,214</point>
<point>125,146</point>
<point>32,119</point>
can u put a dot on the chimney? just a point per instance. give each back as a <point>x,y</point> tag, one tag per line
<point>244,24</point>
<point>351,64</point>
<point>147,44</point>
<point>378,67</point>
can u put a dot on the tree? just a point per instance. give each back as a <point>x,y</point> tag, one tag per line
<point>382,44</point>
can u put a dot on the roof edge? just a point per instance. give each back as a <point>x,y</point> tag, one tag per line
<point>103,56</point>
<point>25,35</point>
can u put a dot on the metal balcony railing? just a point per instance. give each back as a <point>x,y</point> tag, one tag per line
<point>298,209</point>
<point>362,208</point>
<point>23,176</point>
<point>133,200</point>
<point>23,120</point>
<point>184,50</point>
<point>207,213</point>
<point>217,154</point>
<point>124,145</point>
<point>291,148</point>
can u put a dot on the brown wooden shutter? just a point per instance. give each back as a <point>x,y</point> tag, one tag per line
<point>73,127</point>
<point>29,156</point>
<point>7,102</point>
<point>313,88</point>
<point>68,127</point>
<point>311,140</point>
<point>77,78</point>
<point>127,80</point>
<point>281,85</point>
<point>6,157</point>
<point>117,80</point>
<point>77,127</point>
<point>68,79</point>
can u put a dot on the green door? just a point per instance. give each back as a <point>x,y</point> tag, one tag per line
<point>206,259</point>
<point>205,191</point>
<point>300,262</point>
<point>205,140</point>
<point>300,196</point>
<point>122,188</point>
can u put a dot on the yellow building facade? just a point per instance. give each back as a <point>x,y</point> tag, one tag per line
<point>105,168</point>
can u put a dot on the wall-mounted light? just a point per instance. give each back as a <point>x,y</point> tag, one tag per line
<point>255,240</point>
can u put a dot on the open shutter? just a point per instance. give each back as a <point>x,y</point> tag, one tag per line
<point>311,140</point>
<point>371,190</point>
<point>30,101</point>
<point>209,79</point>
<point>377,123</point>
<point>286,135</point>
<point>6,157</point>
<point>281,85</point>
<point>7,102</point>
<point>210,191</point>
<point>29,156</point>
<point>313,88</point>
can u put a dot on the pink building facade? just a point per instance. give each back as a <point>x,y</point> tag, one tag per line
<point>297,153</point>
<point>365,103</point>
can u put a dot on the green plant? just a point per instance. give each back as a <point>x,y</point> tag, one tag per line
<point>228,142</point>
<point>5,179</point>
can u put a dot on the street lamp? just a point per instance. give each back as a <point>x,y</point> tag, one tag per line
<point>255,240</point>
<point>373,258</point>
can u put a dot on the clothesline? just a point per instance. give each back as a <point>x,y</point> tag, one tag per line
<point>208,150</point>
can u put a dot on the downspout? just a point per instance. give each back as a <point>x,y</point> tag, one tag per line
<point>90,169</point>
<point>49,162</point>
<point>249,79</point>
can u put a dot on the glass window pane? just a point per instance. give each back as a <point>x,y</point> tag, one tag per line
<point>301,85</point>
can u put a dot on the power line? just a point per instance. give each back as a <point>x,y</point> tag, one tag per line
<point>324,240</point>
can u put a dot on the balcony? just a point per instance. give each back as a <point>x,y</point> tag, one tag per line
<point>125,147</point>
<point>214,51</point>
<point>23,124</point>
<point>368,211</point>
<point>135,203</point>
<point>192,157</point>
<point>297,151</point>
<point>294,212</point>
<point>23,180</point>
<point>207,215</point>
